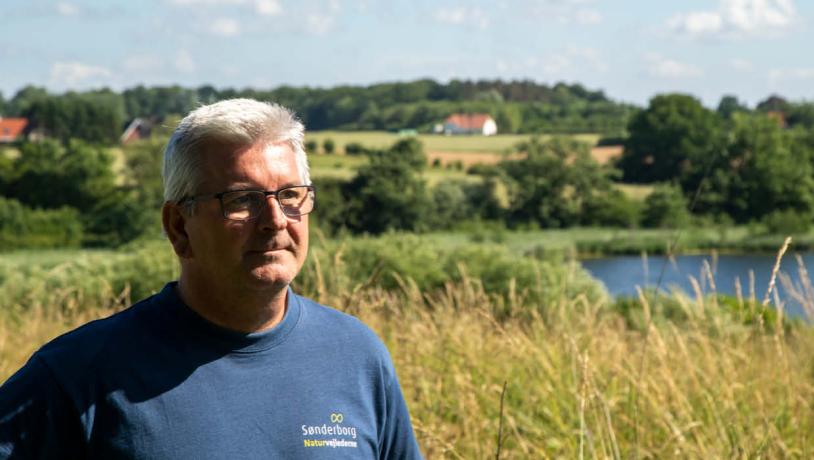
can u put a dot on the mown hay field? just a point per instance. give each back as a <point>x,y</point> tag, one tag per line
<point>583,378</point>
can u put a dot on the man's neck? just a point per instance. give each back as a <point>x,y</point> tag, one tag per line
<point>244,311</point>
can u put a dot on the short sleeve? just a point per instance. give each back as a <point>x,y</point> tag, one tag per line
<point>398,438</point>
<point>37,420</point>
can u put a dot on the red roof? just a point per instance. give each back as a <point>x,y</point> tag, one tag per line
<point>468,121</point>
<point>11,128</point>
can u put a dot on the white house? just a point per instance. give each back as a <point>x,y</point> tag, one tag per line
<point>470,123</point>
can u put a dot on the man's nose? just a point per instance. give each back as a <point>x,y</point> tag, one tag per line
<point>272,214</point>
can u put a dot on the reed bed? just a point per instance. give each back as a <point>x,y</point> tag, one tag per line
<point>581,382</point>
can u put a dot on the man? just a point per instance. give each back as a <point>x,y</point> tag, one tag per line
<point>227,362</point>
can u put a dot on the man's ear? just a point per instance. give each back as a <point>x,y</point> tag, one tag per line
<point>173,219</point>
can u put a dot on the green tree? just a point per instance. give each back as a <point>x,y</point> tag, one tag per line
<point>729,105</point>
<point>766,169</point>
<point>555,184</point>
<point>48,175</point>
<point>773,103</point>
<point>448,205</point>
<point>142,173</point>
<point>388,193</point>
<point>95,117</point>
<point>673,138</point>
<point>24,98</point>
<point>508,119</point>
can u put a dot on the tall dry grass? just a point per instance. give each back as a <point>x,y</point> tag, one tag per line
<point>581,382</point>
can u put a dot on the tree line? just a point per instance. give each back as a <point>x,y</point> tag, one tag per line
<point>518,106</point>
<point>723,166</point>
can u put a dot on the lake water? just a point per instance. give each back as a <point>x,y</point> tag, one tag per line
<point>621,274</point>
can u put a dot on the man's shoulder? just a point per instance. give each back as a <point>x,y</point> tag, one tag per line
<point>84,345</point>
<point>334,325</point>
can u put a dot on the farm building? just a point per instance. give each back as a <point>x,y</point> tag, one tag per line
<point>136,130</point>
<point>12,129</point>
<point>470,123</point>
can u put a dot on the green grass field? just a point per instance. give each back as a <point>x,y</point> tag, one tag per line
<point>344,167</point>
<point>432,142</point>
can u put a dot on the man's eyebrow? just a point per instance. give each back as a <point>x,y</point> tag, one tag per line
<point>242,186</point>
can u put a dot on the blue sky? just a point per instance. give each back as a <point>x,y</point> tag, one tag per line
<point>631,49</point>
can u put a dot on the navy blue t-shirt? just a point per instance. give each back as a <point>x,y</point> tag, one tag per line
<point>158,381</point>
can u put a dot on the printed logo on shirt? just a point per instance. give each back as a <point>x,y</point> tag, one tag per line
<point>334,435</point>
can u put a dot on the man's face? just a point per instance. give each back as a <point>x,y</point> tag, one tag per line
<point>258,254</point>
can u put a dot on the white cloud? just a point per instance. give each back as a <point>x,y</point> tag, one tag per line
<point>319,24</point>
<point>555,65</point>
<point>462,16</point>
<point>697,23</point>
<point>184,62</point>
<point>662,67</point>
<point>262,7</point>
<point>735,18</point>
<point>563,11</point>
<point>268,7</point>
<point>225,27</point>
<point>207,2</point>
<point>73,73</point>
<point>801,73</point>
<point>141,63</point>
<point>67,9</point>
<point>589,56</point>
<point>588,17</point>
<point>741,65</point>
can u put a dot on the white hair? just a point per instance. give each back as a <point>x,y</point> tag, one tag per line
<point>242,122</point>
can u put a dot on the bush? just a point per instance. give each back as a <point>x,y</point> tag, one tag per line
<point>787,222</point>
<point>354,148</point>
<point>24,228</point>
<point>605,141</point>
<point>118,219</point>
<point>311,147</point>
<point>448,205</point>
<point>665,207</point>
<point>393,259</point>
<point>331,211</point>
<point>328,146</point>
<point>613,209</point>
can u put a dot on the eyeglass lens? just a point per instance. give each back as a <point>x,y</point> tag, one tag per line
<point>243,205</point>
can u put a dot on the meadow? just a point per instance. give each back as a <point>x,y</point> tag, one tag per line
<point>492,337</point>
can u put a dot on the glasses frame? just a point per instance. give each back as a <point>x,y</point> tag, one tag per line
<point>275,193</point>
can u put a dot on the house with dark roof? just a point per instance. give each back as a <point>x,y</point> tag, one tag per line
<point>470,123</point>
<point>12,129</point>
<point>137,129</point>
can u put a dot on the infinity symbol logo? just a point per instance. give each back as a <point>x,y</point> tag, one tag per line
<point>336,418</point>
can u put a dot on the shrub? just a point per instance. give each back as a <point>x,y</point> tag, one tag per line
<point>787,222</point>
<point>119,218</point>
<point>328,146</point>
<point>354,148</point>
<point>612,209</point>
<point>22,227</point>
<point>391,260</point>
<point>311,147</point>
<point>665,207</point>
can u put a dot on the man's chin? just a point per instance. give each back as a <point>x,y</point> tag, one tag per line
<point>271,276</point>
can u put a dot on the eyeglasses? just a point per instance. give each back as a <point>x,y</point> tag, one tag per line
<point>243,205</point>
